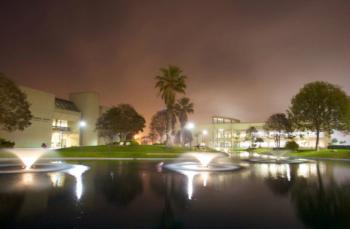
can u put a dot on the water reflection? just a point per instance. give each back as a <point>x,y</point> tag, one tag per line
<point>135,194</point>
<point>57,179</point>
<point>120,184</point>
<point>320,202</point>
<point>274,170</point>
<point>77,172</point>
<point>321,206</point>
<point>305,170</point>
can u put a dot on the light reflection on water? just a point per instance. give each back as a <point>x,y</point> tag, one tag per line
<point>77,171</point>
<point>115,193</point>
<point>57,179</point>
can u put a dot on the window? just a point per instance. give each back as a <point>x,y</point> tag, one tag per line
<point>59,123</point>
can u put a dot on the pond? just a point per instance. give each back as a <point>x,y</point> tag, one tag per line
<point>140,194</point>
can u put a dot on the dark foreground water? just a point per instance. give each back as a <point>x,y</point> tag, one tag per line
<point>129,194</point>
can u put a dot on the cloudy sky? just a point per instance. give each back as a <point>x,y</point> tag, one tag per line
<point>243,58</point>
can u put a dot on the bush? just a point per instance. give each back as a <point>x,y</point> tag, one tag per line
<point>125,143</point>
<point>6,144</point>
<point>133,143</point>
<point>292,145</point>
<point>159,144</point>
<point>339,147</point>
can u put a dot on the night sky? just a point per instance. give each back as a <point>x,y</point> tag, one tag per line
<point>243,58</point>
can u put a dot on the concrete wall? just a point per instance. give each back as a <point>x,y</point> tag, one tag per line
<point>89,105</point>
<point>42,108</point>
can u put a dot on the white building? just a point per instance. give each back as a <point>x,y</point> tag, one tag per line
<point>59,122</point>
<point>227,134</point>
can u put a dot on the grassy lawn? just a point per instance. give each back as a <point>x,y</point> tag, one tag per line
<point>4,154</point>
<point>323,153</point>
<point>256,150</point>
<point>159,151</point>
<point>142,151</point>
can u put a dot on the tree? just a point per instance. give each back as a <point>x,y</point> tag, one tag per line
<point>14,107</point>
<point>279,123</point>
<point>250,134</point>
<point>122,121</point>
<point>347,117</point>
<point>158,125</point>
<point>187,137</point>
<point>260,141</point>
<point>183,108</point>
<point>169,83</point>
<point>320,106</point>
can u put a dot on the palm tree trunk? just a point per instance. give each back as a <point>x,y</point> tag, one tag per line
<point>168,129</point>
<point>182,136</point>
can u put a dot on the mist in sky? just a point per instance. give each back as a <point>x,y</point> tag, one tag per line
<point>244,59</point>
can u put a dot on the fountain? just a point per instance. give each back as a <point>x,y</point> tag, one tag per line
<point>204,162</point>
<point>29,162</point>
<point>276,156</point>
<point>203,165</point>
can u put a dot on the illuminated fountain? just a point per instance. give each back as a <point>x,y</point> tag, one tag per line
<point>203,165</point>
<point>204,162</point>
<point>29,162</point>
<point>277,156</point>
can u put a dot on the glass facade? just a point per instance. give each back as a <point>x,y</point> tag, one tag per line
<point>62,136</point>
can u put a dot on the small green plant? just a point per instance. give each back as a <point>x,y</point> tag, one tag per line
<point>334,141</point>
<point>6,144</point>
<point>292,145</point>
<point>134,143</point>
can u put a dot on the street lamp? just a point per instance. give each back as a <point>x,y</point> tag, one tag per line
<point>82,124</point>
<point>190,126</point>
<point>204,134</point>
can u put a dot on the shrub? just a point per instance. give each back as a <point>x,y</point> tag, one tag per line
<point>133,143</point>
<point>125,143</point>
<point>159,144</point>
<point>6,144</point>
<point>339,147</point>
<point>292,145</point>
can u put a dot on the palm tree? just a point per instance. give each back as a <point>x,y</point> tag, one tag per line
<point>183,107</point>
<point>170,82</point>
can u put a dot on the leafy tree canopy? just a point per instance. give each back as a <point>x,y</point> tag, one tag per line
<point>158,125</point>
<point>320,106</point>
<point>14,107</point>
<point>122,121</point>
<point>278,122</point>
<point>251,131</point>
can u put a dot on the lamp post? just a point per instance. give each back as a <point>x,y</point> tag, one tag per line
<point>82,125</point>
<point>190,126</point>
<point>204,134</point>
